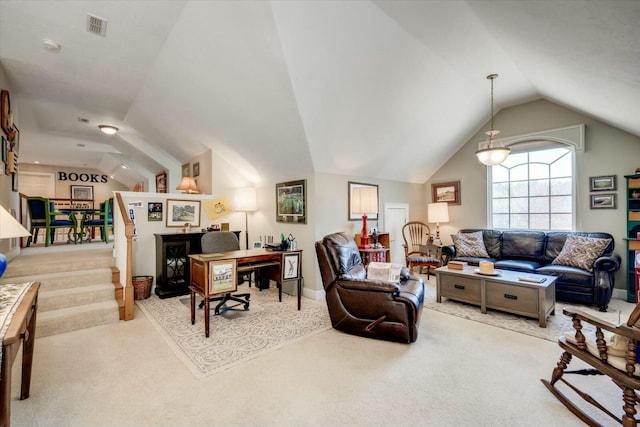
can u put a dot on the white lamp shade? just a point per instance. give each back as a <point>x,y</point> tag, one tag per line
<point>245,199</point>
<point>364,200</point>
<point>10,227</point>
<point>188,185</point>
<point>492,156</point>
<point>438,212</point>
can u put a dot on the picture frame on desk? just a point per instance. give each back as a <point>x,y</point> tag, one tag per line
<point>291,266</point>
<point>181,212</point>
<point>223,277</point>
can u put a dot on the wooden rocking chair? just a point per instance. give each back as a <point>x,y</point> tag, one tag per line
<point>614,357</point>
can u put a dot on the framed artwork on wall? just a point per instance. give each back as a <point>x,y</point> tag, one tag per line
<point>81,192</point>
<point>291,202</point>
<point>373,216</point>
<point>161,182</point>
<point>186,169</point>
<point>603,183</point>
<point>181,212</point>
<point>446,192</point>
<point>603,201</point>
<point>222,277</point>
<point>196,169</point>
<point>5,110</point>
<point>154,211</point>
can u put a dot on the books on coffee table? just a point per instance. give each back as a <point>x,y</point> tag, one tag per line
<point>457,265</point>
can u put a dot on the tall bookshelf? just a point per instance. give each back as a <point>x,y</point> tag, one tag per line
<point>632,197</point>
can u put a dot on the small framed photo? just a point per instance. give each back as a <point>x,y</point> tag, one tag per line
<point>181,212</point>
<point>81,192</point>
<point>291,202</point>
<point>257,245</point>
<point>446,192</point>
<point>186,169</point>
<point>196,169</point>
<point>161,182</point>
<point>603,201</point>
<point>154,211</point>
<point>603,183</point>
<point>222,277</point>
<point>291,266</point>
<point>354,216</point>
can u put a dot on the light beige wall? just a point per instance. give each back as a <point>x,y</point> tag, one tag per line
<point>608,151</point>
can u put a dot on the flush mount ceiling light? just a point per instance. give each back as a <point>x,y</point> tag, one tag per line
<point>109,130</point>
<point>51,46</point>
<point>492,153</point>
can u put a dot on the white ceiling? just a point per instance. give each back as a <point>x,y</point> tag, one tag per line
<point>385,89</point>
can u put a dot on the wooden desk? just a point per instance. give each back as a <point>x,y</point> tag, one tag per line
<point>22,327</point>
<point>277,266</point>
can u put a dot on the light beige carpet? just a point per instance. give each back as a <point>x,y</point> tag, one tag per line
<point>236,335</point>
<point>556,324</point>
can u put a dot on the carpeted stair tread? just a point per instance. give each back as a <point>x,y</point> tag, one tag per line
<point>81,295</point>
<point>25,265</point>
<point>78,317</point>
<point>64,280</point>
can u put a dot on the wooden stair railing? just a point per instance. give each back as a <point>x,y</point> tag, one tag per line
<point>127,304</point>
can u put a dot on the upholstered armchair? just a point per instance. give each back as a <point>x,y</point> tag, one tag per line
<point>360,306</point>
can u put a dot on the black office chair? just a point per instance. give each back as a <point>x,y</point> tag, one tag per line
<point>223,241</point>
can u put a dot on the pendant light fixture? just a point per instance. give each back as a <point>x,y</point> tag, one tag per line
<point>492,153</point>
<point>109,130</point>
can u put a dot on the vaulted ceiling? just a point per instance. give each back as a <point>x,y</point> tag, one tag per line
<point>387,89</point>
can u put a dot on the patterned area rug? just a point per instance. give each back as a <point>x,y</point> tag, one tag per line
<point>556,324</point>
<point>235,335</point>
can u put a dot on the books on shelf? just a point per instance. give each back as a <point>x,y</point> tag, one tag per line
<point>457,265</point>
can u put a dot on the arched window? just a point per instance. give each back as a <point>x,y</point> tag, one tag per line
<point>533,189</point>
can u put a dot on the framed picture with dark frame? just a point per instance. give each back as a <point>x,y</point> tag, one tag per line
<point>602,183</point>
<point>161,182</point>
<point>154,211</point>
<point>3,155</point>
<point>446,192</point>
<point>81,192</point>
<point>196,169</point>
<point>291,202</point>
<point>603,201</point>
<point>222,277</point>
<point>291,266</point>
<point>186,169</point>
<point>181,212</point>
<point>358,216</point>
<point>14,181</point>
<point>5,110</point>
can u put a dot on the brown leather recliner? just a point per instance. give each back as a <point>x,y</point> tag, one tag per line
<point>369,308</point>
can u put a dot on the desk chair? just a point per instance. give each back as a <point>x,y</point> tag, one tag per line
<point>42,215</point>
<point>103,219</point>
<point>223,241</point>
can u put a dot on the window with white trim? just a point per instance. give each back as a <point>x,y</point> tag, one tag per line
<point>533,190</point>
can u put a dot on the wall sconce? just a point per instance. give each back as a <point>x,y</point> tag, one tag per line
<point>188,185</point>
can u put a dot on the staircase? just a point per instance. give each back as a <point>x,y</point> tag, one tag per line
<point>77,285</point>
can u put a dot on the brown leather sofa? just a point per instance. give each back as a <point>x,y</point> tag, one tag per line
<point>369,308</point>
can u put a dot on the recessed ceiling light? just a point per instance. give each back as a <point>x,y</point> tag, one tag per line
<point>109,130</point>
<point>124,166</point>
<point>51,46</point>
<point>80,145</point>
<point>83,120</point>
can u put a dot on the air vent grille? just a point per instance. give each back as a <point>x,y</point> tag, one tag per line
<point>97,26</point>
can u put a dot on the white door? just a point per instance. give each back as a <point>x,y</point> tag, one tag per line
<point>37,184</point>
<point>395,216</point>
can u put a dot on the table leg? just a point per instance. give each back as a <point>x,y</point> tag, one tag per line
<point>193,307</point>
<point>299,292</point>
<point>279,291</point>
<point>206,317</point>
<point>27,353</point>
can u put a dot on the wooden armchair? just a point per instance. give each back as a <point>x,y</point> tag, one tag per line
<point>417,239</point>
<point>612,351</point>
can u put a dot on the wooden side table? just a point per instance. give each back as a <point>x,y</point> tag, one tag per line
<point>373,255</point>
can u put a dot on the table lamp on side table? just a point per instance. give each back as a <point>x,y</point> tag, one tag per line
<point>10,228</point>
<point>365,201</point>
<point>438,212</point>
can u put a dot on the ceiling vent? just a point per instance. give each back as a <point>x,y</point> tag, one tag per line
<point>97,26</point>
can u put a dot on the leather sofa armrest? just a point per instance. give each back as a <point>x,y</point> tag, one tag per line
<point>610,263</point>
<point>449,251</point>
<point>370,285</point>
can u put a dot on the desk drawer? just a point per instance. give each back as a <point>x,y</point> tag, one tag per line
<point>514,298</point>
<point>460,288</point>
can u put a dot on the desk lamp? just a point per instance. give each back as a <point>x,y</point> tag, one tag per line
<point>9,228</point>
<point>438,212</point>
<point>245,201</point>
<point>365,201</point>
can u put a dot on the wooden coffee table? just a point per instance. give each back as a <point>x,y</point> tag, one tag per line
<point>504,291</point>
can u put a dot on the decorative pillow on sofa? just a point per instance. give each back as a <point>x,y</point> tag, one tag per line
<point>581,251</point>
<point>470,245</point>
